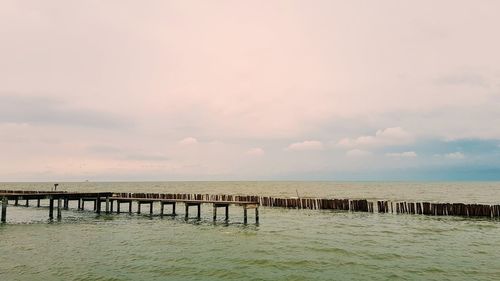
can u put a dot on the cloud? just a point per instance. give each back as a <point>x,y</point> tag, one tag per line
<point>188,141</point>
<point>464,78</point>
<point>406,154</point>
<point>383,137</point>
<point>455,155</point>
<point>357,153</point>
<point>306,145</point>
<point>51,111</point>
<point>256,151</point>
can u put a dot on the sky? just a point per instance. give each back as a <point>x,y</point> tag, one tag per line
<point>249,90</point>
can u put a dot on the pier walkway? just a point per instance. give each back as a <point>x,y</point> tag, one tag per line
<point>110,199</point>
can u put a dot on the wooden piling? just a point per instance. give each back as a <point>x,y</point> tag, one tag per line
<point>199,211</point>
<point>245,219</point>
<point>59,202</point>
<point>107,205</point>
<point>98,205</point>
<point>186,216</point>
<point>51,208</point>
<point>227,213</point>
<point>215,212</point>
<point>151,208</point>
<point>257,214</point>
<point>38,203</point>
<point>4,209</point>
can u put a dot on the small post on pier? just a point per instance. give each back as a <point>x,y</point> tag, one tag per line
<point>118,207</point>
<point>16,202</point>
<point>107,205</point>
<point>27,202</point>
<point>173,209</point>
<point>79,203</point>
<point>138,207</point>
<point>245,218</point>
<point>66,203</point>
<point>4,209</point>
<point>151,208</point>
<point>215,212</point>
<point>38,202</point>
<point>162,208</point>
<point>187,211</point>
<point>51,208</point>
<point>111,203</point>
<point>199,211</point>
<point>130,207</point>
<point>59,208</point>
<point>257,214</point>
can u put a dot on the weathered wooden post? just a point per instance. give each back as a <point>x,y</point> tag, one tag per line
<point>79,203</point>
<point>215,212</point>
<point>59,208</point>
<point>173,209</point>
<point>187,211</point>
<point>111,202</point>
<point>16,202</point>
<point>98,204</point>
<point>227,212</point>
<point>162,207</point>
<point>27,203</point>
<point>151,208</point>
<point>107,204</point>
<point>66,203</point>
<point>118,206</point>
<point>199,211</point>
<point>51,208</point>
<point>38,202</point>
<point>130,207</point>
<point>245,219</point>
<point>4,209</point>
<point>138,207</point>
<point>257,214</point>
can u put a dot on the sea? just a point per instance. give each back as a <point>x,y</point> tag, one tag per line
<point>287,244</point>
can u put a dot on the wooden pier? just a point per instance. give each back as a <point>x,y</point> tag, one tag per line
<point>110,199</point>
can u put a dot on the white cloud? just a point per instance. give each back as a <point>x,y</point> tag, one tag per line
<point>188,141</point>
<point>383,137</point>
<point>306,145</point>
<point>357,153</point>
<point>256,151</point>
<point>455,155</point>
<point>406,154</point>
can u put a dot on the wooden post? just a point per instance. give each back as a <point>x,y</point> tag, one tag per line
<point>98,205</point>
<point>215,212</point>
<point>187,211</point>
<point>27,202</point>
<point>59,208</point>
<point>257,214</point>
<point>83,204</point>
<point>245,219</point>
<point>4,209</point>
<point>38,203</point>
<point>79,203</point>
<point>151,208</point>
<point>199,211</point>
<point>173,209</point>
<point>162,207</point>
<point>111,202</point>
<point>138,207</point>
<point>51,208</point>
<point>130,207</point>
<point>118,207</point>
<point>66,203</point>
<point>16,202</point>
<point>227,212</point>
<point>107,205</point>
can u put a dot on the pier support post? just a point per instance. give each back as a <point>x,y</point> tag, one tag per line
<point>16,202</point>
<point>27,203</point>
<point>257,214</point>
<point>111,202</point>
<point>151,208</point>
<point>98,205</point>
<point>199,211</point>
<point>227,213</point>
<point>59,208</point>
<point>245,218</point>
<point>79,203</point>
<point>4,209</point>
<point>117,207</point>
<point>215,212</point>
<point>66,203</point>
<point>187,211</point>
<point>162,207</point>
<point>138,207</point>
<point>38,203</point>
<point>130,207</point>
<point>107,205</point>
<point>173,209</point>
<point>51,208</point>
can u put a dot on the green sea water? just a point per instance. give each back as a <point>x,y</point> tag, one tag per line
<point>286,245</point>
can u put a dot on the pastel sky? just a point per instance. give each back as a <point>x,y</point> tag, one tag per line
<point>249,90</point>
